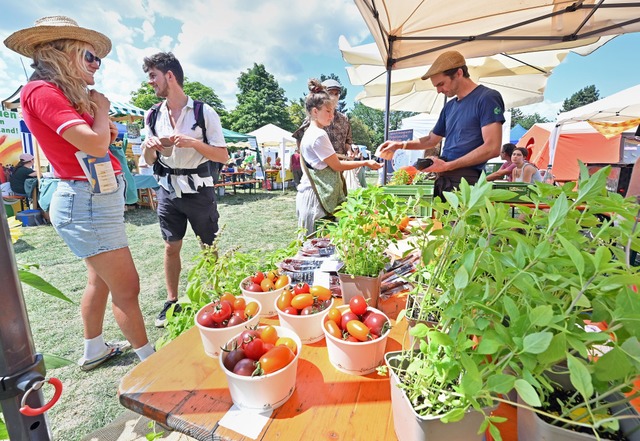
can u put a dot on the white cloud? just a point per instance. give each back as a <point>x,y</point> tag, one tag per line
<point>546,109</point>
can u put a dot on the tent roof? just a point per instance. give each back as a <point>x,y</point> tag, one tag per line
<point>619,107</point>
<point>516,133</point>
<point>414,32</point>
<point>125,109</point>
<point>271,134</point>
<point>231,136</point>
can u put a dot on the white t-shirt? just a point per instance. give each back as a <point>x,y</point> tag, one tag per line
<point>186,157</point>
<point>315,147</point>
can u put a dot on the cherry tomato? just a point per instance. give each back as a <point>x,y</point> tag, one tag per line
<point>239,303</point>
<point>308,310</point>
<point>222,312</point>
<point>272,275</point>
<point>320,292</point>
<point>284,299</point>
<point>269,334</point>
<point>358,305</point>
<point>301,288</point>
<point>290,310</point>
<point>267,285</point>
<point>232,358</point>
<point>288,342</point>
<point>253,287</point>
<point>245,367</point>
<point>246,336</point>
<point>358,330</point>
<point>276,359</point>
<point>257,277</point>
<point>282,281</point>
<point>236,320</point>
<point>228,297</point>
<point>350,338</point>
<point>205,319</point>
<point>346,318</point>
<point>335,315</point>
<point>251,309</point>
<point>333,329</point>
<point>254,349</point>
<point>301,301</point>
<point>377,323</point>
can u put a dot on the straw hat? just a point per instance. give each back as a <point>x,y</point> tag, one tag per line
<point>57,27</point>
<point>445,61</point>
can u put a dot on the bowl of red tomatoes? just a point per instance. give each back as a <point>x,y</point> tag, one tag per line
<point>223,319</point>
<point>356,336</point>
<point>260,366</point>
<point>265,287</point>
<point>302,310</point>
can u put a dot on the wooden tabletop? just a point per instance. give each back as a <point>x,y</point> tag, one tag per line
<point>186,390</point>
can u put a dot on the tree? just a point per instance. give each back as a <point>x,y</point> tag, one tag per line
<point>374,119</point>
<point>297,112</point>
<point>362,135</point>
<point>145,97</point>
<point>261,101</point>
<point>525,120</point>
<point>582,97</point>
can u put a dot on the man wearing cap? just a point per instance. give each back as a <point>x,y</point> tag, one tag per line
<point>22,172</point>
<point>471,124</point>
<point>339,130</point>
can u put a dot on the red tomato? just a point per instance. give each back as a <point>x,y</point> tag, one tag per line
<point>288,342</point>
<point>232,358</point>
<point>254,349</point>
<point>253,287</point>
<point>276,359</point>
<point>333,329</point>
<point>308,310</point>
<point>246,336</point>
<point>222,312</point>
<point>351,338</point>
<point>245,367</point>
<point>284,299</point>
<point>301,288</point>
<point>251,310</point>
<point>346,318</point>
<point>358,330</point>
<point>320,292</point>
<point>290,310</point>
<point>205,319</point>
<point>236,320</point>
<point>358,305</point>
<point>377,323</point>
<point>301,301</point>
<point>257,277</point>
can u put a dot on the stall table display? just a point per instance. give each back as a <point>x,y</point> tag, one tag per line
<point>238,179</point>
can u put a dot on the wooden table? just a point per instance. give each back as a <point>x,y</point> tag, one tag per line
<point>186,390</point>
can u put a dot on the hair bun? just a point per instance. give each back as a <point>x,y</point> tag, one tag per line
<point>317,89</point>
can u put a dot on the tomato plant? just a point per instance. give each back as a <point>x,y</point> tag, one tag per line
<point>358,305</point>
<point>276,359</point>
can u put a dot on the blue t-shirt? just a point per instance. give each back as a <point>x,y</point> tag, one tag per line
<point>461,121</point>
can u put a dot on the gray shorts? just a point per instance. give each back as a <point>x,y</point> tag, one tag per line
<point>200,209</point>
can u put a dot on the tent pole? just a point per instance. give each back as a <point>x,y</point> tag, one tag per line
<point>387,111</point>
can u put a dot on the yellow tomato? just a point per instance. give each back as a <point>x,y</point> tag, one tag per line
<point>282,281</point>
<point>320,292</point>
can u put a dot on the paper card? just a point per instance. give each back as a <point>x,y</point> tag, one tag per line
<point>331,265</point>
<point>321,278</point>
<point>387,155</point>
<point>245,422</point>
<point>99,172</point>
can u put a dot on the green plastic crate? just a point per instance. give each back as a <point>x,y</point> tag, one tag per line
<point>521,188</point>
<point>422,191</point>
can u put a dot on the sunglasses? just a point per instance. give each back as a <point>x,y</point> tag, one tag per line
<point>90,58</point>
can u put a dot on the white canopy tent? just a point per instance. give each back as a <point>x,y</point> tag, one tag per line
<point>272,138</point>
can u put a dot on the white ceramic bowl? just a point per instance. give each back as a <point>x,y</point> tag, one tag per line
<point>308,327</point>
<point>265,392</point>
<point>266,299</point>
<point>214,338</point>
<point>356,358</point>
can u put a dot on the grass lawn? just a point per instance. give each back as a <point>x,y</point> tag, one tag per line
<point>265,220</point>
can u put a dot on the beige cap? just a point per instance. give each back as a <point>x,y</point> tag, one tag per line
<point>58,27</point>
<point>446,60</point>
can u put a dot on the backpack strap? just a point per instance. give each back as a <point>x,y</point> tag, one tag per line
<point>152,117</point>
<point>198,110</point>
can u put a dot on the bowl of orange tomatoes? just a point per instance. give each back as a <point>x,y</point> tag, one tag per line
<point>265,287</point>
<point>260,365</point>
<point>220,320</point>
<point>302,308</point>
<point>356,336</point>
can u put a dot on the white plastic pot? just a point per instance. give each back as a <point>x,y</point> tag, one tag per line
<point>264,392</point>
<point>266,299</point>
<point>214,338</point>
<point>307,327</point>
<point>356,358</point>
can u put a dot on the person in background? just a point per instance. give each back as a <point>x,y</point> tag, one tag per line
<point>3,176</point>
<point>504,172</point>
<point>23,171</point>
<point>471,123</point>
<point>322,187</point>
<point>524,171</point>
<point>66,117</point>
<point>186,192</point>
<point>278,164</point>
<point>295,166</point>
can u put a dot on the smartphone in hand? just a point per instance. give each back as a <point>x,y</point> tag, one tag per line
<point>423,163</point>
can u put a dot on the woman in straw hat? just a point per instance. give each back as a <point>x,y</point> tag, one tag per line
<point>67,118</point>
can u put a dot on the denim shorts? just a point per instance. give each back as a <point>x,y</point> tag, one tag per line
<point>89,223</point>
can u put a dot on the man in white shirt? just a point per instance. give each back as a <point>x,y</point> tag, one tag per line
<point>184,167</point>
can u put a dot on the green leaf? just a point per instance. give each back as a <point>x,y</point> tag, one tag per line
<point>574,254</point>
<point>488,346</point>
<point>461,279</point>
<point>511,308</point>
<point>453,415</point>
<point>495,433</point>
<point>420,330</point>
<point>613,365</point>
<point>537,342</point>
<point>500,383</point>
<point>541,315</point>
<point>558,212</point>
<point>40,284</point>
<point>4,433</point>
<point>580,377</point>
<point>440,338</point>
<point>556,350</point>
<point>527,393</point>
<point>53,361</point>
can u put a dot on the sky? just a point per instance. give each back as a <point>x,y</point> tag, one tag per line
<point>296,40</point>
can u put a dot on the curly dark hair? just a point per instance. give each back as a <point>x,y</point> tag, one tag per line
<point>164,62</point>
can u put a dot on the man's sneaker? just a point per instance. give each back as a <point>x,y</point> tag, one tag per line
<point>161,320</point>
<point>112,349</point>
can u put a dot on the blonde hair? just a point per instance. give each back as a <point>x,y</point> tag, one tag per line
<point>318,96</point>
<point>61,62</point>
